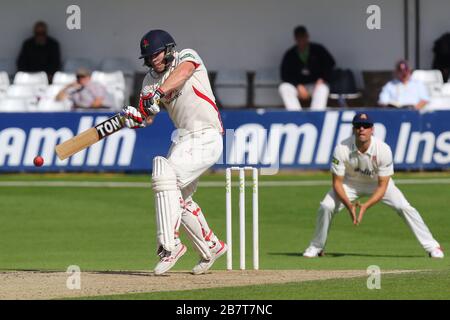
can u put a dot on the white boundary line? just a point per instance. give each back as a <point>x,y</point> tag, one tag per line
<point>209,184</point>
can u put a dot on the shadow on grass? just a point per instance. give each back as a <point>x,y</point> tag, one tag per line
<point>345,254</point>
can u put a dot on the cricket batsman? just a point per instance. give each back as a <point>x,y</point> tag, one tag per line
<point>362,165</point>
<point>179,82</point>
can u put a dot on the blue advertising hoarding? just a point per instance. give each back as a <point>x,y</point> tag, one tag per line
<point>302,140</point>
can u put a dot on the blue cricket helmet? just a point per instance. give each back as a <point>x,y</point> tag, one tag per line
<point>156,41</point>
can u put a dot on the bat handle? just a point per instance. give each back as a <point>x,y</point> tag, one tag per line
<point>121,118</point>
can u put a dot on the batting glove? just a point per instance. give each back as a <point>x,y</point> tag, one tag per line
<point>149,102</point>
<point>133,118</point>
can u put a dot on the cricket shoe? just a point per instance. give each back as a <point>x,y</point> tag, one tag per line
<point>204,265</point>
<point>437,253</point>
<point>313,252</point>
<point>168,259</point>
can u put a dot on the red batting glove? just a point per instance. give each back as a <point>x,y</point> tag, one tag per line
<point>149,102</point>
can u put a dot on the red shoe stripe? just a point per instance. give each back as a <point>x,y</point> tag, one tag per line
<point>223,246</point>
<point>179,252</point>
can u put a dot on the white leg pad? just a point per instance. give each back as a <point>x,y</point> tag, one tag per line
<point>168,202</point>
<point>197,228</point>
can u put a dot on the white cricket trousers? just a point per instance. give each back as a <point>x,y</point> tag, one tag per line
<point>193,153</point>
<point>393,197</point>
<point>190,156</point>
<point>289,95</point>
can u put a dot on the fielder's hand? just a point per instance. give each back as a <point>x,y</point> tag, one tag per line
<point>149,103</point>
<point>362,209</point>
<point>133,118</point>
<point>352,211</point>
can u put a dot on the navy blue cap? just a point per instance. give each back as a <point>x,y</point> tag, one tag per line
<point>362,118</point>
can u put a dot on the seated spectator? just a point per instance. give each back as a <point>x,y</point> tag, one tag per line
<point>305,71</point>
<point>441,59</point>
<point>40,52</point>
<point>402,92</point>
<point>85,93</point>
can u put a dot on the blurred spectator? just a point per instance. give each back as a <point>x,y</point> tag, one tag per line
<point>402,92</point>
<point>305,71</point>
<point>441,60</point>
<point>85,93</point>
<point>40,52</point>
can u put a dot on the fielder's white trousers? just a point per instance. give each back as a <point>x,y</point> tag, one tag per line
<point>393,197</point>
<point>289,95</point>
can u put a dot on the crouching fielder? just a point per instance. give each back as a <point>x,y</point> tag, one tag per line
<point>362,165</point>
<point>179,81</point>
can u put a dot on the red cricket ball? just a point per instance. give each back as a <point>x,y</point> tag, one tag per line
<point>38,161</point>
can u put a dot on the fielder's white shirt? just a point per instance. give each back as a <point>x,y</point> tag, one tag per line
<point>359,167</point>
<point>191,107</point>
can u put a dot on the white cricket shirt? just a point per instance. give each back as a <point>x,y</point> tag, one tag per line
<point>359,167</point>
<point>191,107</point>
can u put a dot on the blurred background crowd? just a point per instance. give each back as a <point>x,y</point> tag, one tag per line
<point>309,72</point>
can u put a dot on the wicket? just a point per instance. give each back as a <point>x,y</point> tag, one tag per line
<point>228,188</point>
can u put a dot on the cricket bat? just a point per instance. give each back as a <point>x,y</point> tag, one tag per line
<point>89,137</point>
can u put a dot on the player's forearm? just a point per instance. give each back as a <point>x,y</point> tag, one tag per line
<point>63,93</point>
<point>177,78</point>
<point>340,192</point>
<point>98,102</point>
<point>377,195</point>
<point>421,104</point>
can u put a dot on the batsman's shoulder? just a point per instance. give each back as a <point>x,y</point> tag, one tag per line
<point>188,51</point>
<point>189,55</point>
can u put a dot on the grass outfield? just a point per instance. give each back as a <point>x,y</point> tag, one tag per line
<point>50,228</point>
